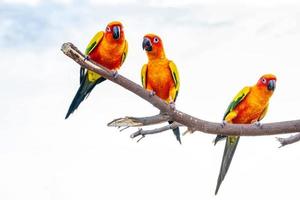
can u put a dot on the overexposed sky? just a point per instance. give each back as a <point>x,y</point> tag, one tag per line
<point>163,2</point>
<point>218,48</point>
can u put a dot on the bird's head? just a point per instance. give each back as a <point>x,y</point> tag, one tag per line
<point>267,82</point>
<point>153,45</point>
<point>114,31</point>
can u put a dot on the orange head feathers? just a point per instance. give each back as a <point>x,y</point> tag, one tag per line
<point>153,46</point>
<point>114,32</point>
<point>267,82</point>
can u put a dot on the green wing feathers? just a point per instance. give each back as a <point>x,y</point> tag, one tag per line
<point>94,42</point>
<point>90,47</point>
<point>236,100</point>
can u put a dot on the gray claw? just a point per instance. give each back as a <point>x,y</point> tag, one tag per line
<point>172,105</point>
<point>87,57</point>
<point>258,124</point>
<point>223,123</point>
<point>151,93</point>
<point>115,74</point>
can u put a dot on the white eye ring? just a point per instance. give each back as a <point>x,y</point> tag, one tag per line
<point>264,80</point>
<point>108,29</point>
<point>155,40</point>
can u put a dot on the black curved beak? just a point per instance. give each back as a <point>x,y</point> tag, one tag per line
<point>147,44</point>
<point>116,32</point>
<point>272,85</point>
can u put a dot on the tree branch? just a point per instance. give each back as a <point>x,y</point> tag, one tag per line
<point>289,140</point>
<point>187,120</point>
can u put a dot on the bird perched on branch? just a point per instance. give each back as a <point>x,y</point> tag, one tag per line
<point>107,48</point>
<point>160,75</point>
<point>249,106</point>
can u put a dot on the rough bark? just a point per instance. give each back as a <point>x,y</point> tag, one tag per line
<point>289,140</point>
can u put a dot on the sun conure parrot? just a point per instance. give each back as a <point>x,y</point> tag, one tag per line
<point>109,49</point>
<point>249,106</point>
<point>160,75</point>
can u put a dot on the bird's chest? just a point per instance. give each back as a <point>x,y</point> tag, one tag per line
<point>110,56</point>
<point>159,78</point>
<point>250,110</point>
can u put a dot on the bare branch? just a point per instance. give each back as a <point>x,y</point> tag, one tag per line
<point>175,115</point>
<point>139,121</point>
<point>143,133</point>
<point>289,140</point>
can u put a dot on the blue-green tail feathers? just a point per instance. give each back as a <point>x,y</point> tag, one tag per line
<point>226,160</point>
<point>84,90</point>
<point>218,138</point>
<point>176,132</point>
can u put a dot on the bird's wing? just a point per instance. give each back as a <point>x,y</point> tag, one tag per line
<point>144,75</point>
<point>175,76</point>
<point>124,52</point>
<point>90,47</point>
<point>236,100</point>
<point>94,42</point>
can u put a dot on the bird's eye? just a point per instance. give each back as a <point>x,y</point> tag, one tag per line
<point>263,80</point>
<point>108,29</point>
<point>155,40</point>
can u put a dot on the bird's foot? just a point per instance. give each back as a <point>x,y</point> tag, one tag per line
<point>223,123</point>
<point>115,74</point>
<point>172,105</point>
<point>152,93</point>
<point>258,124</point>
<point>87,57</point>
<point>188,130</point>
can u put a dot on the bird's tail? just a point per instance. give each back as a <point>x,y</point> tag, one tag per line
<point>84,90</point>
<point>231,144</point>
<point>218,138</point>
<point>176,132</point>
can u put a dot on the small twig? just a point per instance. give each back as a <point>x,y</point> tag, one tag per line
<point>289,140</point>
<point>126,127</point>
<point>139,121</point>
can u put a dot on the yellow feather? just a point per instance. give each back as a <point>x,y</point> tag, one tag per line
<point>263,114</point>
<point>125,52</point>
<point>176,79</point>
<point>92,76</point>
<point>94,42</point>
<point>242,93</point>
<point>143,75</point>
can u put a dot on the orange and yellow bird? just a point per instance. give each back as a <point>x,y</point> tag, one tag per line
<point>249,106</point>
<point>160,75</point>
<point>107,48</point>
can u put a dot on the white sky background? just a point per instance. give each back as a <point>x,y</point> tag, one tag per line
<point>218,48</point>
